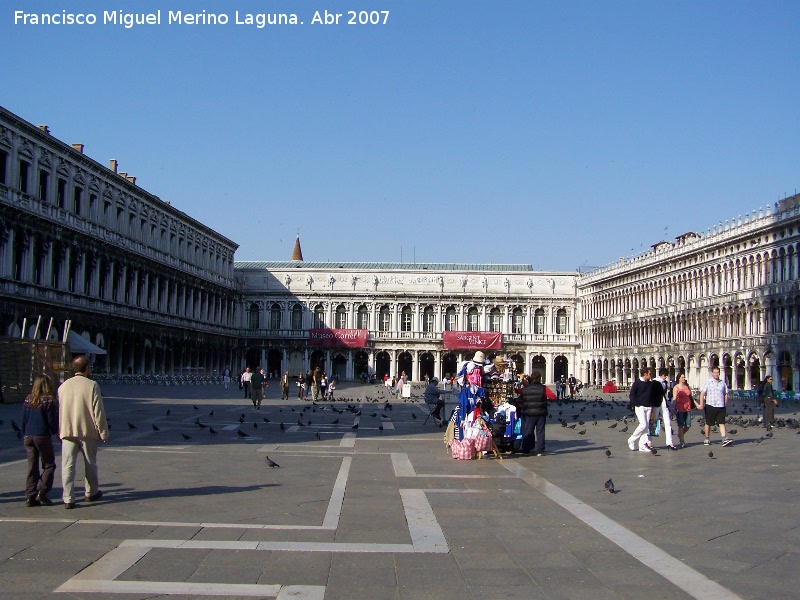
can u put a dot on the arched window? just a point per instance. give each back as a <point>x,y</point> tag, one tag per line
<point>473,320</point>
<point>385,319</point>
<point>254,316</point>
<point>275,317</point>
<point>451,319</point>
<point>363,317</point>
<point>319,317</point>
<point>517,320</point>
<point>341,317</point>
<point>561,321</point>
<point>406,319</point>
<point>297,317</point>
<point>538,321</point>
<point>495,320</point>
<point>428,319</point>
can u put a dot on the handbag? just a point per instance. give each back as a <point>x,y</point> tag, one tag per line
<point>655,428</point>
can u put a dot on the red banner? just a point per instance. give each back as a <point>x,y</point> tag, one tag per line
<point>337,338</point>
<point>472,340</point>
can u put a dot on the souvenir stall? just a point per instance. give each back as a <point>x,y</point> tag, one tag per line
<point>485,420</point>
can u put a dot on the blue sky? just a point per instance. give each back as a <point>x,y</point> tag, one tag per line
<point>560,134</point>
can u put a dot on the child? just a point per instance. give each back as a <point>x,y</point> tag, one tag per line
<point>39,423</point>
<point>331,388</point>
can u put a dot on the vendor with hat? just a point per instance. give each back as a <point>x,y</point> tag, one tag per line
<point>433,394</point>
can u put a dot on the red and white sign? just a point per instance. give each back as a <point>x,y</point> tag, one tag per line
<point>337,338</point>
<point>472,340</point>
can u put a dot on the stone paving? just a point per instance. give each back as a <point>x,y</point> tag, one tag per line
<point>386,513</point>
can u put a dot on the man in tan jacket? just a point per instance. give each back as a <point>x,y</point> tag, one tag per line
<point>83,424</point>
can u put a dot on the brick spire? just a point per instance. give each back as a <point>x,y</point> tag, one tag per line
<point>297,253</point>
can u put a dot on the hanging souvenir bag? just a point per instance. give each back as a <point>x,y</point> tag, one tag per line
<point>463,449</point>
<point>483,441</point>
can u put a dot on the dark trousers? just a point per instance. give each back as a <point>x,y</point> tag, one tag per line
<point>769,411</point>
<point>39,448</point>
<point>437,410</point>
<point>246,386</point>
<point>533,434</point>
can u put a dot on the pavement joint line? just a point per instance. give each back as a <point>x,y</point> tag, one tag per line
<point>403,468</point>
<point>331,519</point>
<point>673,570</point>
<point>426,533</point>
<point>348,440</point>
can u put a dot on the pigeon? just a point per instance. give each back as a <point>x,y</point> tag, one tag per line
<point>380,427</point>
<point>572,426</point>
<point>624,429</point>
<point>733,431</point>
<point>334,422</point>
<point>653,451</point>
<point>255,425</point>
<point>413,416</point>
<point>195,407</point>
<point>211,414</point>
<point>241,419</point>
<point>610,487</point>
<point>168,411</point>
<point>266,420</point>
<point>132,426</point>
<point>155,428</point>
<point>241,433</point>
<point>201,425</point>
<point>186,437</point>
<point>608,453</point>
<point>271,463</point>
<point>354,426</point>
<point>300,423</point>
<point>710,454</point>
<point>769,434</point>
<point>282,427</point>
<point>582,432</point>
<point>317,436</point>
<point>612,426</point>
<point>212,431</point>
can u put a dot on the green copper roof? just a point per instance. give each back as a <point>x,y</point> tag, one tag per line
<point>380,266</point>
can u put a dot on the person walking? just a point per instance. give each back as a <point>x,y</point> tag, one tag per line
<point>257,382</point>
<point>246,379</point>
<point>713,400</point>
<point>285,386</point>
<point>226,377</point>
<point>682,395</point>
<point>82,424</point>
<point>662,409</point>
<point>301,385</point>
<point>767,401</point>
<point>641,404</point>
<point>39,423</point>
<point>532,408</point>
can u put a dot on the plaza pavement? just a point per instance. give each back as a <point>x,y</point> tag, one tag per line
<point>373,513</point>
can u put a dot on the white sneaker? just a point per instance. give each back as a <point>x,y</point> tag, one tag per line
<point>706,442</point>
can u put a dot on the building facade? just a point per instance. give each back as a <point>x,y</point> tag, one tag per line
<point>726,298</point>
<point>405,308</point>
<point>160,292</point>
<point>81,242</point>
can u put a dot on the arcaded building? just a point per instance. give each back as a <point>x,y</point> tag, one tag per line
<point>406,311</point>
<point>80,242</point>
<point>727,297</point>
